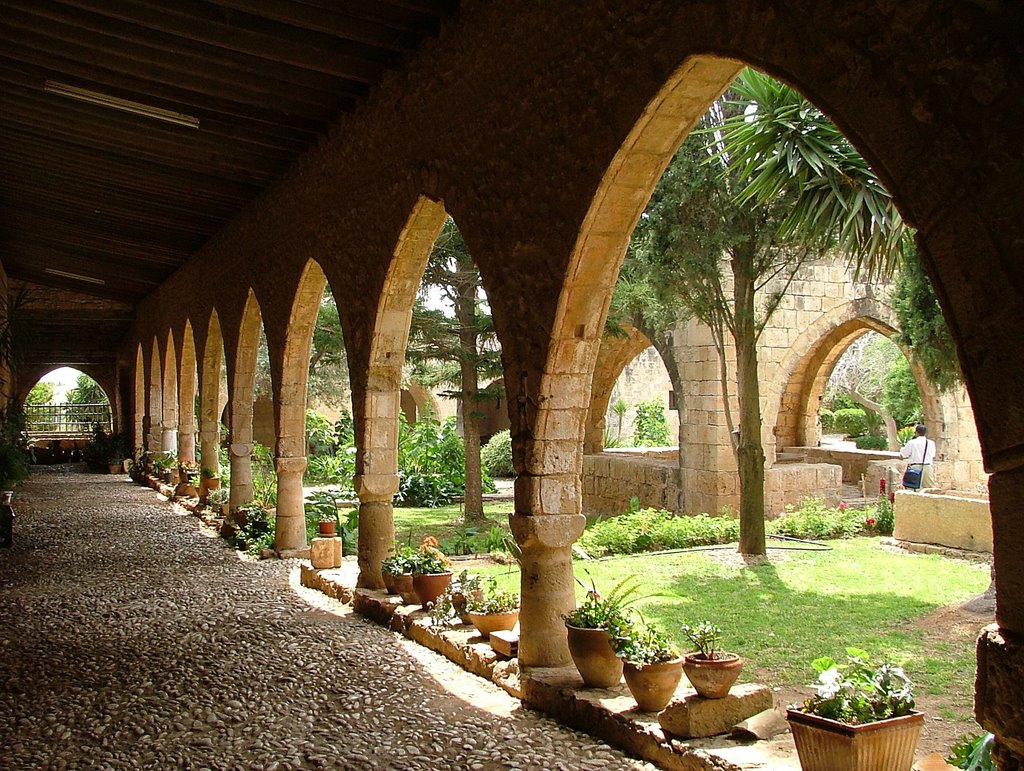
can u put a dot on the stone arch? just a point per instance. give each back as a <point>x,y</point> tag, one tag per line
<point>210,404</point>
<point>187,396</point>
<point>612,357</point>
<point>139,403</point>
<point>154,399</point>
<point>290,408</point>
<point>377,436</point>
<point>792,405</point>
<point>241,385</point>
<point>169,397</point>
<point>416,401</point>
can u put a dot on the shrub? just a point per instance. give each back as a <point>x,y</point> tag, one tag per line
<point>813,519</point>
<point>851,421</point>
<point>432,464</point>
<point>828,420</point>
<point>655,530</point>
<point>496,455</point>
<point>870,442</point>
<point>258,531</point>
<point>650,427</point>
<point>321,438</point>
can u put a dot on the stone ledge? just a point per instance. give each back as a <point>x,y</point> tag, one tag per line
<point>695,716</point>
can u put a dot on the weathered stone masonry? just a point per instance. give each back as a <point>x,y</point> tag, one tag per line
<point>542,131</point>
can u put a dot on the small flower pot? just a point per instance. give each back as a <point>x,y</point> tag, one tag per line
<point>486,623</point>
<point>712,678</point>
<point>591,651</point>
<point>114,468</point>
<point>886,745</point>
<point>403,585</point>
<point>653,685</point>
<point>326,528</point>
<point>389,582</point>
<point>430,586</point>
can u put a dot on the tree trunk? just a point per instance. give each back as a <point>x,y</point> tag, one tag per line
<point>749,451</point>
<point>879,409</point>
<point>465,312</point>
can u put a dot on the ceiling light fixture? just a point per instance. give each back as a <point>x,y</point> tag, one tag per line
<point>117,103</point>
<point>75,276</point>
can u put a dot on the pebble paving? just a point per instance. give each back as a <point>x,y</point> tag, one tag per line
<point>131,637</point>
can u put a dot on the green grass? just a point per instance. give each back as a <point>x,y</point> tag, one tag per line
<point>783,614</point>
<point>412,524</point>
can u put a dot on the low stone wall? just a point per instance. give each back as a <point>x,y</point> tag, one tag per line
<point>854,462</point>
<point>953,520</point>
<point>610,480</point>
<point>944,475</point>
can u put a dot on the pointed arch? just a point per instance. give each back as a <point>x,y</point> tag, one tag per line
<point>210,403</point>
<point>187,396</point>
<point>241,386</point>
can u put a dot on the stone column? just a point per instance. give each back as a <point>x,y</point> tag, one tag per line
<point>169,438</point>
<point>208,447</point>
<point>999,687</point>
<point>187,443</point>
<point>376,525</point>
<point>548,585</point>
<point>290,528</point>
<point>241,473</point>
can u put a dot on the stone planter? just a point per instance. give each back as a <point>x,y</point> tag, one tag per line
<point>403,585</point>
<point>430,586</point>
<point>712,678</point>
<point>486,623</point>
<point>828,745</point>
<point>653,685</point>
<point>591,651</point>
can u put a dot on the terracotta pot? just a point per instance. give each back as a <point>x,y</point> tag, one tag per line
<point>211,483</point>
<point>326,528</point>
<point>653,685</point>
<point>403,585</point>
<point>712,678</point>
<point>389,582</point>
<point>486,623</point>
<point>592,652</point>
<point>114,468</point>
<point>886,745</point>
<point>430,586</point>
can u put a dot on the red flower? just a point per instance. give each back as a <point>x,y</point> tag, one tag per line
<point>842,506</point>
<point>871,522</point>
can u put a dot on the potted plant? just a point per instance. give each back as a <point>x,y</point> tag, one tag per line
<point>861,717</point>
<point>431,572</point>
<point>396,566</point>
<point>492,609</point>
<point>651,664</point>
<point>451,605</point>
<point>710,671</point>
<point>220,498</point>
<point>209,480</point>
<point>591,627</point>
<point>189,476</point>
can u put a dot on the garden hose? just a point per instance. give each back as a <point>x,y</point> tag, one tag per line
<point>814,546</point>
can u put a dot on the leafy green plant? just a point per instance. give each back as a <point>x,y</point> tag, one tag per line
<point>162,461</point>
<point>852,421</point>
<point>610,611</point>
<point>400,562</point>
<point>461,541</point>
<point>491,599</point>
<point>257,533</point>
<point>973,752</point>
<point>871,442</point>
<point>220,496</point>
<point>882,519</point>
<point>828,420</point>
<point>264,475</point>
<point>451,605</point>
<point>858,692</point>
<point>705,636</point>
<point>650,426</point>
<point>642,644</point>
<point>13,465</point>
<point>496,455</point>
<point>493,540</point>
<point>429,559</point>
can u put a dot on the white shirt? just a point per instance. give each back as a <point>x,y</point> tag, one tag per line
<point>918,448</point>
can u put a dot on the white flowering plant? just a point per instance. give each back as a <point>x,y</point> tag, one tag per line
<point>859,692</point>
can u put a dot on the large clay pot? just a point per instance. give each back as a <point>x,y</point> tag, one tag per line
<point>886,745</point>
<point>430,586</point>
<point>486,623</point>
<point>403,585</point>
<point>592,652</point>
<point>389,582</point>
<point>653,685</point>
<point>325,527</point>
<point>712,678</point>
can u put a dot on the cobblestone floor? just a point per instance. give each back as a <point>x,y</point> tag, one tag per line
<point>131,638</point>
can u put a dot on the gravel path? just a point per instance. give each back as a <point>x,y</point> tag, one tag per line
<point>132,638</point>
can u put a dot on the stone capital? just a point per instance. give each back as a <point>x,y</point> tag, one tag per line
<point>376,487</point>
<point>240,449</point>
<point>294,465</point>
<point>547,531</point>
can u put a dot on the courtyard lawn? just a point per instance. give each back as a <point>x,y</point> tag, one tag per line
<point>805,604</point>
<point>412,524</point>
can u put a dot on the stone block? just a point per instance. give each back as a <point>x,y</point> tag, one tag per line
<point>694,716</point>
<point>325,553</point>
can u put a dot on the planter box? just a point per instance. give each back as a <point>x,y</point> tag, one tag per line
<point>828,745</point>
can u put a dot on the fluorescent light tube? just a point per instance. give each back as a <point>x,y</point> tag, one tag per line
<point>125,105</point>
<point>75,276</point>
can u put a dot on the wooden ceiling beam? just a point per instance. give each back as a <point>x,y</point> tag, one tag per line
<point>72,260</point>
<point>275,42</point>
<point>384,13</point>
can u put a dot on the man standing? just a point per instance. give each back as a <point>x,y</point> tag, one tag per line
<point>920,451</point>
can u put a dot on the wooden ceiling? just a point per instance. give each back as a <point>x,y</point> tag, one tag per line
<point>107,202</point>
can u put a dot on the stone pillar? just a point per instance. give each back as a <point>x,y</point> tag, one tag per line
<point>376,525</point>
<point>208,447</point>
<point>187,443</point>
<point>548,584</point>
<point>241,473</point>
<point>290,528</point>
<point>169,438</point>
<point>999,688</point>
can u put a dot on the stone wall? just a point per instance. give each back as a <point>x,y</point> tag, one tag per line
<point>854,462</point>
<point>643,379</point>
<point>957,521</point>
